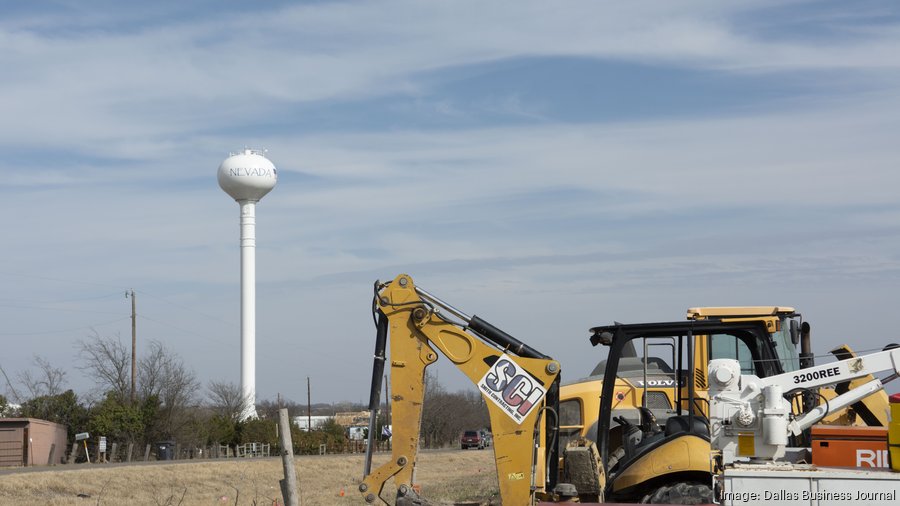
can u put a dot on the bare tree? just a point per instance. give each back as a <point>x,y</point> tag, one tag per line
<point>162,374</point>
<point>180,385</point>
<point>437,413</point>
<point>151,371</point>
<point>268,408</point>
<point>446,414</point>
<point>10,388</point>
<point>108,363</point>
<point>46,381</point>
<point>227,399</point>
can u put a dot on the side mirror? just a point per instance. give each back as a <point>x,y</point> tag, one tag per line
<point>604,338</point>
<point>795,332</point>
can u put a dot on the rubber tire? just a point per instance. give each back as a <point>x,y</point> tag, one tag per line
<point>681,493</point>
<point>615,457</point>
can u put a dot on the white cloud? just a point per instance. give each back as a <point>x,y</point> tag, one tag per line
<point>591,222</point>
<point>801,157</point>
<point>76,87</point>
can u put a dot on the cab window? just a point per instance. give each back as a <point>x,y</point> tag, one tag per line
<point>728,346</point>
<point>784,347</point>
<point>570,421</point>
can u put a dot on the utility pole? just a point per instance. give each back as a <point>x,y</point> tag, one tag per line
<point>308,406</point>
<point>133,343</point>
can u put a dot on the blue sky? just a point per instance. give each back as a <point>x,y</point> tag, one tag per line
<point>547,166</point>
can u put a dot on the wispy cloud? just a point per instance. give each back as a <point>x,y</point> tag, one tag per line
<point>407,141</point>
<point>191,75</point>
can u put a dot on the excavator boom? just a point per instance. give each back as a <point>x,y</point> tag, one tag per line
<point>519,385</point>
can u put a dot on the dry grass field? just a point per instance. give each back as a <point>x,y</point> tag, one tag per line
<point>447,477</point>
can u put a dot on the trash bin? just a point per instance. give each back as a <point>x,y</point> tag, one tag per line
<point>165,450</point>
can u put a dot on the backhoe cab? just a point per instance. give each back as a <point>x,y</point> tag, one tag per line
<point>652,434</point>
<point>652,447</point>
<point>785,331</point>
<point>519,384</point>
<point>580,399</point>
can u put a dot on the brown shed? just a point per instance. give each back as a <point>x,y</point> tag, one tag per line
<point>27,442</point>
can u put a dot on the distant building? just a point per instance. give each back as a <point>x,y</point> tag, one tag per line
<point>317,421</point>
<point>28,442</point>
<point>352,419</point>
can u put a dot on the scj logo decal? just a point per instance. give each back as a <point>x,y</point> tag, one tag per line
<point>511,388</point>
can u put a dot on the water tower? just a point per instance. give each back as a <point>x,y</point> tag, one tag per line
<point>247,177</point>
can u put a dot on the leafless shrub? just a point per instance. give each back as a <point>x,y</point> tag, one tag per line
<point>163,375</point>
<point>46,381</point>
<point>107,362</point>
<point>227,400</point>
<point>446,414</point>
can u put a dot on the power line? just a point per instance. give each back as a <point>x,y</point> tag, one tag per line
<point>291,344</point>
<point>63,301</point>
<point>187,308</point>
<point>87,327</point>
<point>61,280</point>
<point>10,385</point>
<point>49,278</point>
<point>176,327</point>
<point>71,310</point>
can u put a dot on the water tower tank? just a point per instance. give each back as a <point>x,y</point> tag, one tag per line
<point>247,175</point>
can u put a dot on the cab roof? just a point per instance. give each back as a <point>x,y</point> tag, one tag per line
<point>606,334</point>
<point>716,311</point>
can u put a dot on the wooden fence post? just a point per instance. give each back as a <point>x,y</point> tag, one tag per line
<point>129,452</point>
<point>289,483</point>
<point>112,452</point>
<point>74,453</point>
<point>147,453</point>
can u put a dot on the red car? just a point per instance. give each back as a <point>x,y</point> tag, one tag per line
<point>471,439</point>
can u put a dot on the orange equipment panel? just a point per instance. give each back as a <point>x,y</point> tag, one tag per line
<point>894,432</point>
<point>842,446</point>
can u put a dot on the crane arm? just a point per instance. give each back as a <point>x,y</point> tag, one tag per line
<point>837,372</point>
<point>749,416</point>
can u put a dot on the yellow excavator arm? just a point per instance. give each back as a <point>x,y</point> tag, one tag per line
<point>519,385</point>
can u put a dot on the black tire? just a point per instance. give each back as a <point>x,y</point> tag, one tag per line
<point>681,493</point>
<point>615,457</point>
